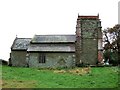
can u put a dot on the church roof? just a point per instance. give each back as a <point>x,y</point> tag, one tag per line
<point>51,48</point>
<point>21,43</point>
<point>53,39</point>
<point>46,43</point>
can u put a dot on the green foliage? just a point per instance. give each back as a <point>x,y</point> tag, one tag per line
<point>112,56</point>
<point>112,39</point>
<point>17,77</point>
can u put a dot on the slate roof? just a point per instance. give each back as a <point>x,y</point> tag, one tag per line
<point>21,43</point>
<point>53,39</point>
<point>51,48</point>
<point>46,43</point>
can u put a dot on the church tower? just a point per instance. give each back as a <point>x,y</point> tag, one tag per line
<point>88,39</point>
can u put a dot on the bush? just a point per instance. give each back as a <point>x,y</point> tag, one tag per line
<point>3,62</point>
<point>112,56</point>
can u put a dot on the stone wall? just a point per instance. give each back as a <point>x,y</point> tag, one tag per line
<point>18,58</point>
<point>89,40</point>
<point>53,60</point>
<point>89,51</point>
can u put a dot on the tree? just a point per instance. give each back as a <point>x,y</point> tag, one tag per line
<point>112,43</point>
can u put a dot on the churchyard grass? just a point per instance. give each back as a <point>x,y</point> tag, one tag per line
<point>99,77</point>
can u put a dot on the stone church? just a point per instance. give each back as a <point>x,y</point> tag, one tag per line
<point>51,51</point>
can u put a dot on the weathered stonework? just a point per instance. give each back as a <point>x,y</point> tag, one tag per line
<point>18,58</point>
<point>53,60</point>
<point>88,30</point>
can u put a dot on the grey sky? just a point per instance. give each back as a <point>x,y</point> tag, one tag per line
<point>119,12</point>
<point>26,18</point>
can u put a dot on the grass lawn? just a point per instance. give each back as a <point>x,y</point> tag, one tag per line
<point>18,77</point>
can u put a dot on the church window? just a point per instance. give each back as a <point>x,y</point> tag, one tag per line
<point>42,58</point>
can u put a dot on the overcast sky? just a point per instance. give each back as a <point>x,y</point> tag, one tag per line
<point>25,18</point>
